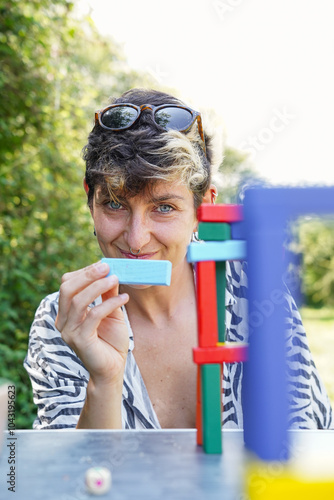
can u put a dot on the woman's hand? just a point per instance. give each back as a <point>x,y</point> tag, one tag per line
<point>98,335</point>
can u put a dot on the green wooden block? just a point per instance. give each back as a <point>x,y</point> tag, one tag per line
<point>211,408</point>
<point>214,231</point>
<point>218,231</point>
<point>221,286</point>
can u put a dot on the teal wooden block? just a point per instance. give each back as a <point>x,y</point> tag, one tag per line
<point>217,250</point>
<point>211,408</point>
<point>214,231</point>
<point>217,231</point>
<point>140,272</point>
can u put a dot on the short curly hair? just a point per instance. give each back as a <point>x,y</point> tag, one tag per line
<point>131,161</point>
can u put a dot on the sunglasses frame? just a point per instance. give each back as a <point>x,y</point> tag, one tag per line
<point>194,114</point>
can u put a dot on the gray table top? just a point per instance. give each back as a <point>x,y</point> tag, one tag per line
<point>146,465</point>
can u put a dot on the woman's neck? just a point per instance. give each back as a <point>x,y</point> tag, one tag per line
<point>156,302</point>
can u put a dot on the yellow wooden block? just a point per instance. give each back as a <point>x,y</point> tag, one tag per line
<point>276,481</point>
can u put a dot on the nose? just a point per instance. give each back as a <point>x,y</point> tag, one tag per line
<point>138,232</point>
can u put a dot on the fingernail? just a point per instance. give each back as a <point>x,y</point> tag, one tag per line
<point>102,267</point>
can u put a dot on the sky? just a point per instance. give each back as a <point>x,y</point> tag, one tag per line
<point>265,67</point>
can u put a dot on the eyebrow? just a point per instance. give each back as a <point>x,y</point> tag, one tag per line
<point>167,197</point>
<point>104,196</point>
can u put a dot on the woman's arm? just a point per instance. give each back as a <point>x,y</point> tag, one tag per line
<point>99,336</point>
<point>103,405</point>
<point>58,377</point>
<point>310,406</point>
<point>80,371</point>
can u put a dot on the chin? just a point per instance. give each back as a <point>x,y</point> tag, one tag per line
<point>138,287</point>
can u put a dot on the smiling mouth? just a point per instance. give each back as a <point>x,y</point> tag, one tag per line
<point>129,255</point>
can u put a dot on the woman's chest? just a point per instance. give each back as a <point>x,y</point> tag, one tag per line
<point>169,374</point>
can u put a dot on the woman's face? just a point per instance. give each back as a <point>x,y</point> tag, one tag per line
<point>159,223</point>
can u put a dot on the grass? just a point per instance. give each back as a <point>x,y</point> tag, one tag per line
<point>319,326</point>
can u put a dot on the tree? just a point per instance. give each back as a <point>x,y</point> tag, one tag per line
<point>54,68</point>
<point>316,242</point>
<point>234,174</point>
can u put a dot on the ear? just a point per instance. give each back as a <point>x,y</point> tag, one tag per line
<point>86,188</point>
<point>85,185</point>
<point>209,197</point>
<point>211,194</point>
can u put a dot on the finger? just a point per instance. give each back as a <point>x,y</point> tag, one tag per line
<point>69,275</point>
<point>118,314</point>
<point>87,331</point>
<point>112,329</point>
<point>74,274</point>
<point>111,308</point>
<point>80,302</point>
<point>112,292</point>
<point>76,281</point>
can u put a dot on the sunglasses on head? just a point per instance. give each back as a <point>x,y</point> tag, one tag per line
<point>168,116</point>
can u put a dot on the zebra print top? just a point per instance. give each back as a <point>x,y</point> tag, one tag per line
<point>59,379</point>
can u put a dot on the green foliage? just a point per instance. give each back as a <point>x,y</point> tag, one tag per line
<point>234,173</point>
<point>319,326</point>
<point>316,242</point>
<point>54,69</point>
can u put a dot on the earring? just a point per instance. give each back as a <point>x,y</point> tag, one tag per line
<point>94,231</point>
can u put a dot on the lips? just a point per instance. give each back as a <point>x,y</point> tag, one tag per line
<point>128,255</point>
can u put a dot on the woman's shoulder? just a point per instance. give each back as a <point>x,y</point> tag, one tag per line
<point>48,354</point>
<point>46,312</point>
<point>49,302</point>
<point>49,305</point>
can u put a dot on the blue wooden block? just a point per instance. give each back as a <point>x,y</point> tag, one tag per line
<point>265,390</point>
<point>238,230</point>
<point>216,250</point>
<point>140,272</point>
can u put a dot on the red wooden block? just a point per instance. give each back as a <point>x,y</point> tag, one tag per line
<point>219,213</point>
<point>207,321</point>
<point>228,353</point>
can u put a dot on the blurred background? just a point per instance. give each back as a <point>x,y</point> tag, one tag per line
<point>261,72</point>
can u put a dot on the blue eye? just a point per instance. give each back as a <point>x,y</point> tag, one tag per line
<point>115,205</point>
<point>165,209</point>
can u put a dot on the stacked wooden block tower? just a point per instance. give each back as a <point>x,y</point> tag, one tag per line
<point>220,228</point>
<point>265,387</point>
<point>267,211</point>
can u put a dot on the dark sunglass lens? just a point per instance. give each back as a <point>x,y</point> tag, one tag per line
<point>173,118</point>
<point>119,117</point>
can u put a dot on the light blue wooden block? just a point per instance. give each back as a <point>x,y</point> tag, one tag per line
<point>140,272</point>
<point>217,250</point>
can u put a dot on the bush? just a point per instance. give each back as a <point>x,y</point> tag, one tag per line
<point>55,69</point>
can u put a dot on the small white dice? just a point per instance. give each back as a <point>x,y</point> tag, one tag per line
<point>98,480</point>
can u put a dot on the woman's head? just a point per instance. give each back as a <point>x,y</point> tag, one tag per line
<point>131,161</point>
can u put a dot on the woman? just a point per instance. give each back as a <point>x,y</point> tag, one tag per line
<point>108,356</point>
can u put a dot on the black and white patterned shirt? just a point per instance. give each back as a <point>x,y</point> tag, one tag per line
<point>59,379</point>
